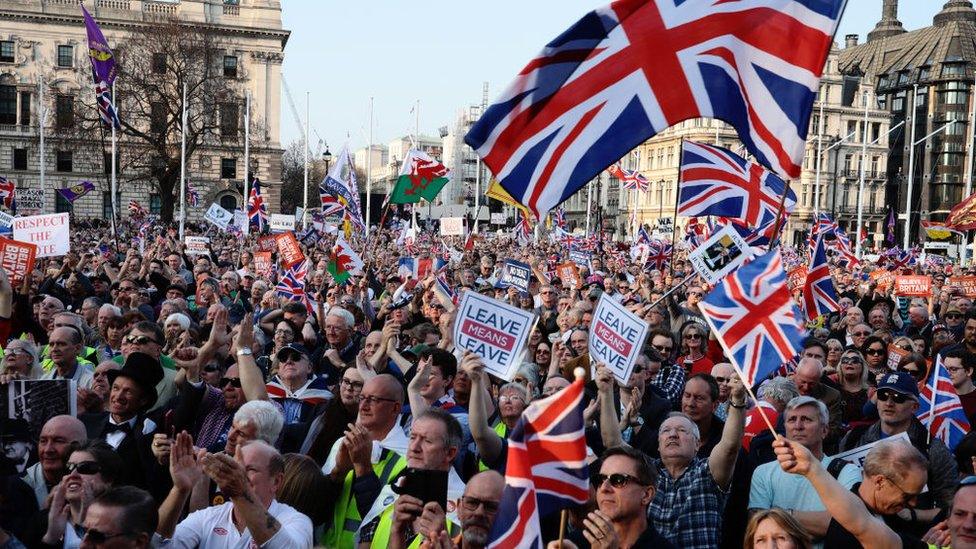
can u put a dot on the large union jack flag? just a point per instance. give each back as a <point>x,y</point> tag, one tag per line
<point>716,181</point>
<point>819,295</point>
<point>753,317</point>
<point>292,284</point>
<point>546,469</point>
<point>257,214</point>
<point>940,408</point>
<point>627,71</point>
<point>659,255</point>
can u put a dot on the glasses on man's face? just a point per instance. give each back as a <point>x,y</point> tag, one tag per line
<point>98,537</point>
<point>134,339</point>
<point>291,356</point>
<point>953,316</point>
<point>234,382</point>
<point>471,505</point>
<point>663,349</point>
<point>874,351</point>
<point>906,496</point>
<point>351,384</point>
<point>373,400</point>
<point>897,398</point>
<point>861,334</point>
<point>617,480</point>
<point>505,399</point>
<point>84,468</point>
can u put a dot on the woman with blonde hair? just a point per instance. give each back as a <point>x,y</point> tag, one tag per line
<point>775,528</point>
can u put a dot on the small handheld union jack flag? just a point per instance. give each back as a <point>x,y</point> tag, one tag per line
<point>659,255</point>
<point>546,469</point>
<point>940,409</point>
<point>8,194</point>
<point>292,284</point>
<point>192,195</point>
<point>560,218</point>
<point>753,317</point>
<point>523,229</point>
<point>256,213</point>
<point>631,179</point>
<point>136,210</point>
<point>819,295</point>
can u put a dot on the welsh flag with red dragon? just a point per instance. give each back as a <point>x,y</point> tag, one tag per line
<point>420,177</point>
<point>344,261</point>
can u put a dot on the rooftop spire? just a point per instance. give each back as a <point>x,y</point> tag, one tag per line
<point>956,10</point>
<point>889,24</point>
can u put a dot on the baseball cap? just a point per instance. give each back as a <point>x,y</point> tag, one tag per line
<point>295,347</point>
<point>899,382</point>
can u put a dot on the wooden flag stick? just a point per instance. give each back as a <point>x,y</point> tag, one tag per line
<point>563,516</point>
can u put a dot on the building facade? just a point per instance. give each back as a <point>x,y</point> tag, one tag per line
<point>44,67</point>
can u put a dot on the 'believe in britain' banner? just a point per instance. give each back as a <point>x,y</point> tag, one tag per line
<point>616,338</point>
<point>493,330</point>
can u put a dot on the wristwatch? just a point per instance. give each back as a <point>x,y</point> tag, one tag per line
<point>243,352</point>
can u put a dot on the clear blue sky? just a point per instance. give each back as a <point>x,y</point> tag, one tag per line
<point>440,52</point>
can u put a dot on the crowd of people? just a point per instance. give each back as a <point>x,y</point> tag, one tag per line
<point>212,411</point>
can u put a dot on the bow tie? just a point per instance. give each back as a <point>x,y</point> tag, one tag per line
<point>120,428</point>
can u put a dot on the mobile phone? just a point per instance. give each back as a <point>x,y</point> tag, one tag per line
<point>427,485</point>
<point>553,337</point>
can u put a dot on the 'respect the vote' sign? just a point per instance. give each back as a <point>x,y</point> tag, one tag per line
<point>616,337</point>
<point>493,330</point>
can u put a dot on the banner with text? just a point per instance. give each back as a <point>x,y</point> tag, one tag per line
<point>452,226</point>
<point>289,251</point>
<point>495,331</point>
<point>280,223</point>
<point>50,233</point>
<point>963,285</point>
<point>568,273</point>
<point>262,263</point>
<point>17,259</point>
<point>197,245</point>
<point>913,285</point>
<point>616,337</point>
<point>515,273</point>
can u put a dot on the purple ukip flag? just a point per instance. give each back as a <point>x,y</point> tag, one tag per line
<point>102,59</point>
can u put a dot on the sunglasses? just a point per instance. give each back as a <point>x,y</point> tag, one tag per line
<point>693,336</point>
<point>617,480</point>
<point>850,360</point>
<point>139,339</point>
<point>84,468</point>
<point>898,398</point>
<point>875,352</point>
<point>98,537</point>
<point>235,382</point>
<point>953,316</point>
<point>861,334</point>
<point>211,368</point>
<point>721,379</point>
<point>664,349</point>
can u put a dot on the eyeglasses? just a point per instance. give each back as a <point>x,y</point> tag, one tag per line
<point>693,336</point>
<point>351,384</point>
<point>84,468</point>
<point>288,333</point>
<point>617,480</point>
<point>290,356</point>
<point>98,537</point>
<point>373,400</point>
<point>127,288</point>
<point>850,360</point>
<point>211,368</point>
<point>16,351</point>
<point>875,352</point>
<point>861,334</point>
<point>906,496</point>
<point>505,399</point>
<point>663,349</point>
<point>897,398</point>
<point>235,382</point>
<point>471,504</point>
<point>139,339</point>
<point>721,379</point>
<point>953,316</point>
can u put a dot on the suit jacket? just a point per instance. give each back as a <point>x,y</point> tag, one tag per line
<point>140,466</point>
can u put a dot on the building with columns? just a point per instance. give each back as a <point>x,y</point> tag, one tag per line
<point>45,41</point>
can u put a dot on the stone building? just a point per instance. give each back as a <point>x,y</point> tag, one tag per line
<point>45,41</point>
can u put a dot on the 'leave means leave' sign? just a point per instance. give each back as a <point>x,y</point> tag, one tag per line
<point>495,331</point>
<point>616,337</point>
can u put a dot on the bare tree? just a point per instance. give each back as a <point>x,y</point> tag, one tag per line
<point>293,178</point>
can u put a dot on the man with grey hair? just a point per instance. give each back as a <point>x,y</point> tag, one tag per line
<point>342,342</point>
<point>808,382</point>
<point>89,310</point>
<point>773,396</point>
<point>806,422</point>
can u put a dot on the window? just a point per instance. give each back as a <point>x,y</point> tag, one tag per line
<point>228,202</point>
<point>953,69</point>
<point>228,168</point>
<point>229,113</point>
<point>106,204</point>
<point>876,131</point>
<point>157,117</point>
<point>155,204</point>
<point>64,161</point>
<point>66,56</point>
<point>230,66</point>
<point>6,51</point>
<point>851,129</point>
<point>25,108</point>
<point>159,63</point>
<point>8,105</point>
<point>20,159</point>
<point>64,111</point>
<point>107,162</point>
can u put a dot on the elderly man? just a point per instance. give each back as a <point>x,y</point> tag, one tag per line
<point>302,395</point>
<point>773,396</point>
<point>58,436</point>
<point>722,373</point>
<point>64,346</point>
<point>374,445</point>
<point>107,313</point>
<point>435,441</point>
<point>894,474</point>
<point>807,377</point>
<point>89,311</point>
<point>251,518</point>
<point>342,343</point>
<point>898,399</point>
<point>691,490</point>
<point>919,325</point>
<point>807,423</point>
<point>120,517</point>
<point>49,306</point>
<point>699,399</point>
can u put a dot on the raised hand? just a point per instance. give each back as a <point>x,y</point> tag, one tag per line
<point>184,462</point>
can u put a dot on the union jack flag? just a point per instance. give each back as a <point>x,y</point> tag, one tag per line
<point>819,295</point>
<point>135,209</point>
<point>106,109</point>
<point>659,255</point>
<point>546,469</point>
<point>896,259</point>
<point>696,232</point>
<point>716,181</point>
<point>630,179</point>
<point>445,287</point>
<point>753,317</point>
<point>331,205</point>
<point>642,236</point>
<point>257,214</point>
<point>559,218</point>
<point>627,71</point>
<point>523,229</point>
<point>8,194</point>
<point>940,408</point>
<point>292,284</point>
<point>192,195</point>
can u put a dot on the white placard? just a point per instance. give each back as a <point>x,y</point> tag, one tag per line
<point>197,245</point>
<point>6,220</point>
<point>495,331</point>
<point>499,218</point>
<point>616,338</point>
<point>719,255</point>
<point>30,201</point>
<point>51,233</point>
<point>452,226</point>
<point>857,455</point>
<point>280,223</point>
<point>218,216</point>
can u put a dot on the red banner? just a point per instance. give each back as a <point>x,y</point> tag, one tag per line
<point>17,258</point>
<point>913,285</point>
<point>796,278</point>
<point>262,263</point>
<point>289,252</point>
<point>569,274</point>
<point>882,279</point>
<point>267,243</point>
<point>964,285</point>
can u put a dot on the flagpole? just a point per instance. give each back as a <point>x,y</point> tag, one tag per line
<point>477,193</point>
<point>182,166</point>
<point>42,119</point>
<point>416,143</point>
<point>963,254</point>
<point>305,186</point>
<point>860,187</point>
<point>369,170</point>
<point>589,203</point>
<point>114,185</point>
<point>247,150</point>
<point>816,185</point>
<point>911,169</point>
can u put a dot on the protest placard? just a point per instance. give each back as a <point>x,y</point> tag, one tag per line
<point>616,337</point>
<point>30,201</point>
<point>6,222</point>
<point>895,354</point>
<point>499,219</point>
<point>289,251</point>
<point>796,278</point>
<point>719,255</point>
<point>17,259</point>
<point>962,285</point>
<point>495,331</point>
<point>569,273</point>
<point>218,216</point>
<point>882,278</point>
<point>267,243</point>
<point>197,245</point>
<point>262,263</point>
<point>38,400</point>
<point>452,226</point>
<point>580,257</point>
<point>280,223</point>
<point>515,273</point>
<point>50,233</point>
<point>913,285</point>
<point>857,455</point>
